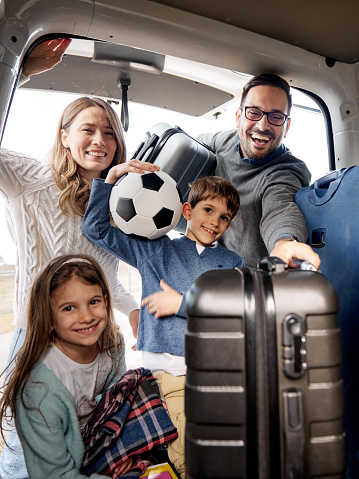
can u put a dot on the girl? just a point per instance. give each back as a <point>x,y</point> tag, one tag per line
<point>73,352</point>
<point>45,203</point>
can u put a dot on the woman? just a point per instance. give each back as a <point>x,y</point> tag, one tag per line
<point>45,203</point>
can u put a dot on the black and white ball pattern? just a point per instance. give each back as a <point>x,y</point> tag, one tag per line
<point>147,205</point>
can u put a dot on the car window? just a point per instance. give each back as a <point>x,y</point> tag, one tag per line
<point>31,127</point>
<point>307,136</point>
<point>33,118</point>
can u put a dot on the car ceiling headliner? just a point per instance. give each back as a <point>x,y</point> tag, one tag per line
<point>82,76</point>
<point>326,27</point>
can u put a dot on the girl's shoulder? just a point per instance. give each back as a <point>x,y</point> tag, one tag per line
<point>42,386</point>
<point>45,401</point>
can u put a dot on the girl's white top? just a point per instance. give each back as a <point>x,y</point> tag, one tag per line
<point>84,381</point>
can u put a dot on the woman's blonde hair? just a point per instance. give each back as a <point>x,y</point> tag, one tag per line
<point>74,189</point>
<point>39,323</point>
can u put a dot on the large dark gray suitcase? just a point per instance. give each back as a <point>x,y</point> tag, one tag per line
<point>179,155</point>
<point>264,395</point>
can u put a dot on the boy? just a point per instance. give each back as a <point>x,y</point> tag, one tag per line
<point>168,268</point>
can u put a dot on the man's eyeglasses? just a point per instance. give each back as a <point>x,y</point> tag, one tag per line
<point>274,118</point>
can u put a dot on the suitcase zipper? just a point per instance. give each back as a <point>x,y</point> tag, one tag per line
<point>270,341</point>
<point>263,437</point>
<point>251,373</point>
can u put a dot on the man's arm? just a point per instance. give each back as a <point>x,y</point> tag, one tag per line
<point>280,214</point>
<point>282,218</point>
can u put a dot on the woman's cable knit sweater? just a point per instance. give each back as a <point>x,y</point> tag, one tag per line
<point>41,231</point>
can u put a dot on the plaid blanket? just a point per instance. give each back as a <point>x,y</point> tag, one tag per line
<point>130,420</point>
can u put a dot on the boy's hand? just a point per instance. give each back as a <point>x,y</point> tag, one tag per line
<point>163,303</point>
<point>132,166</point>
<point>45,56</point>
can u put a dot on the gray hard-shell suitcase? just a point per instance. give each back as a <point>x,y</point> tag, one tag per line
<point>264,395</point>
<point>179,155</point>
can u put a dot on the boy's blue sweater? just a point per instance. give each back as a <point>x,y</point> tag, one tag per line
<point>175,261</point>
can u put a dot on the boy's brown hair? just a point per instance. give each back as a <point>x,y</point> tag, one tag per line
<point>210,187</point>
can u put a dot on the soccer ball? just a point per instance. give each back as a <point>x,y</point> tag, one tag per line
<point>147,205</point>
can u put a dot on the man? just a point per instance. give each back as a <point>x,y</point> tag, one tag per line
<point>265,173</point>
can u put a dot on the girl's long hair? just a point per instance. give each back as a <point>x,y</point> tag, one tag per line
<point>39,324</point>
<point>74,189</point>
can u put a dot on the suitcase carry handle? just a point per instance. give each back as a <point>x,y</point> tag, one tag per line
<point>160,144</point>
<point>319,236</point>
<point>146,146</point>
<point>274,264</point>
<point>163,139</point>
<point>323,189</point>
<point>154,143</point>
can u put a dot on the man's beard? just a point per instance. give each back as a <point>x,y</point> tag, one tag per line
<point>250,149</point>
